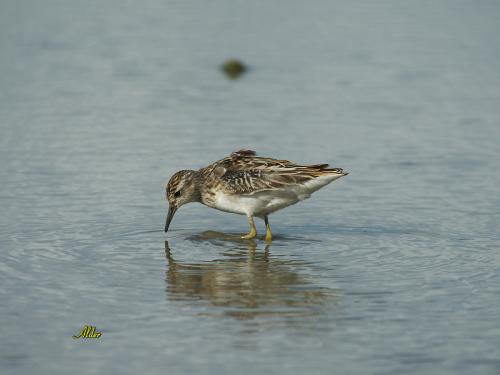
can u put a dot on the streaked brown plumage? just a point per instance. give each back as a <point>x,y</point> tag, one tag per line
<point>247,184</point>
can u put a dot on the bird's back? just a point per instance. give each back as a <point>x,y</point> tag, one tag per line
<point>243,173</point>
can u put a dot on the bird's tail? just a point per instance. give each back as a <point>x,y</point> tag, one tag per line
<point>324,169</point>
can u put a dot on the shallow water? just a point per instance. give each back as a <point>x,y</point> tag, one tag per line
<point>393,269</point>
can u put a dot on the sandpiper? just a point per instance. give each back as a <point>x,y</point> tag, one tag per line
<point>246,184</point>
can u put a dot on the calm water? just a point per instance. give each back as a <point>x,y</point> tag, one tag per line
<point>393,269</point>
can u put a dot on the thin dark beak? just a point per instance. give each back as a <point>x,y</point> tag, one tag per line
<point>171,212</point>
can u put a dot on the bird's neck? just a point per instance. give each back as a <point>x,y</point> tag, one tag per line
<point>197,184</point>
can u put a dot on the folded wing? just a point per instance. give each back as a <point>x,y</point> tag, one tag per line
<point>243,172</point>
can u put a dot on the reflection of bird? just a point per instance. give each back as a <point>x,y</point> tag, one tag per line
<point>246,184</point>
<point>246,282</point>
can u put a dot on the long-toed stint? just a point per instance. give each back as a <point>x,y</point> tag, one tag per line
<point>246,184</point>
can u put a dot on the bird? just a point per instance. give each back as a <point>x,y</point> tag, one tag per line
<point>246,184</point>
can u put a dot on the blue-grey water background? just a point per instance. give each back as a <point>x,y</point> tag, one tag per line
<point>393,269</point>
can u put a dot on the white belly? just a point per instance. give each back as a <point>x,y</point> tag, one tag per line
<point>258,204</point>
<point>266,202</point>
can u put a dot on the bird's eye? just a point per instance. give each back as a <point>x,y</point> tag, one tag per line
<point>177,194</point>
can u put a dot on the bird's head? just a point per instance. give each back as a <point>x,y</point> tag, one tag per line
<point>181,189</point>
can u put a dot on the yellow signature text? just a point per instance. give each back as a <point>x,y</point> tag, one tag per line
<point>88,332</point>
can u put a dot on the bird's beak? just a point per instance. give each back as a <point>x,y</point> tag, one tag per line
<point>170,215</point>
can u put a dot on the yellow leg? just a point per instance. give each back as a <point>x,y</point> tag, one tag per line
<point>269,235</point>
<point>253,230</point>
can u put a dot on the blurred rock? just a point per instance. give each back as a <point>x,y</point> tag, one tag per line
<point>233,68</point>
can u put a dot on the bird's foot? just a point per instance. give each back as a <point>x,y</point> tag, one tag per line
<point>268,237</point>
<point>249,236</point>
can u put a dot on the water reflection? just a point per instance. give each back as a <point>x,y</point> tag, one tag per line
<point>245,282</point>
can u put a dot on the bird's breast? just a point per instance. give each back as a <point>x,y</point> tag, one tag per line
<point>258,204</point>
<point>238,204</point>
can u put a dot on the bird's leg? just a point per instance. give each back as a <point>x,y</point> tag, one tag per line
<point>253,230</point>
<point>269,235</point>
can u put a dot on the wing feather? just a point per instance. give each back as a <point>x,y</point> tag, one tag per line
<point>243,172</point>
